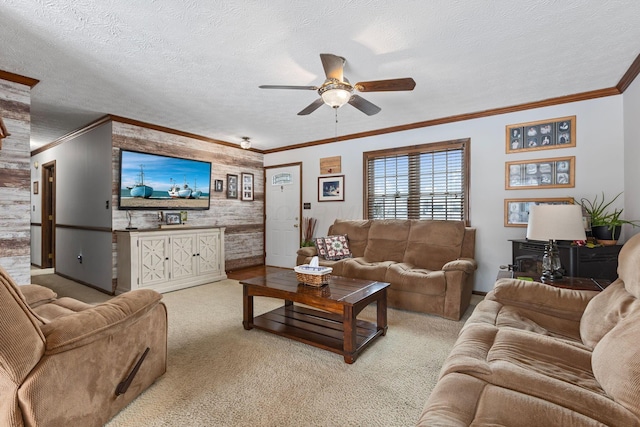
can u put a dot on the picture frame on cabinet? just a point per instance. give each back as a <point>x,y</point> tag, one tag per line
<point>541,135</point>
<point>173,218</point>
<point>516,211</point>
<point>232,186</point>
<point>558,172</point>
<point>247,186</point>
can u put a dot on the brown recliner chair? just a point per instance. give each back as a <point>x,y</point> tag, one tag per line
<point>64,362</point>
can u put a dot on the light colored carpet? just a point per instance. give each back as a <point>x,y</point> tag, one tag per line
<point>221,375</point>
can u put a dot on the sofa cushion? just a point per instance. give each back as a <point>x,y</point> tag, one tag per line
<point>616,363</point>
<point>604,312</point>
<point>387,240</point>
<point>356,230</point>
<point>406,278</point>
<point>431,244</point>
<point>362,268</point>
<point>333,247</point>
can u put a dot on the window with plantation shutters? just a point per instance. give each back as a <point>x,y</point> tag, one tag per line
<point>429,181</point>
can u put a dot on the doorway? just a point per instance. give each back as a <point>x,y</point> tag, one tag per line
<point>48,258</point>
<point>283,212</point>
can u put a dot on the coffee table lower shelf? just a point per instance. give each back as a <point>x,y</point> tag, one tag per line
<point>318,328</point>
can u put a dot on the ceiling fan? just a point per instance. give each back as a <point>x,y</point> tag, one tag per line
<point>337,91</point>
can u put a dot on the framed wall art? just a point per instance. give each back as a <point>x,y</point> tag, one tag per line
<point>541,135</point>
<point>516,211</point>
<point>331,188</point>
<point>556,172</point>
<point>217,185</point>
<point>247,186</point>
<point>232,186</point>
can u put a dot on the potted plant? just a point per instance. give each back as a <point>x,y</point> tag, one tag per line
<point>606,224</point>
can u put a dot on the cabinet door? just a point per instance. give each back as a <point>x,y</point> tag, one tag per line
<point>154,266</point>
<point>209,251</point>
<point>183,256</point>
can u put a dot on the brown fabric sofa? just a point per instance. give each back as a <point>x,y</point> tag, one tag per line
<point>429,264</point>
<point>61,360</point>
<point>535,355</point>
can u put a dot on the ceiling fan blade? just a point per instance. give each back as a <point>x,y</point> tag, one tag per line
<point>363,105</point>
<point>386,85</point>
<point>288,87</point>
<point>333,66</point>
<point>312,107</point>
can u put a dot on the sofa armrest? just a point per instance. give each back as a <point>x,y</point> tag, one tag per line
<point>541,298</point>
<point>466,265</point>
<point>81,328</point>
<point>35,295</point>
<point>308,251</point>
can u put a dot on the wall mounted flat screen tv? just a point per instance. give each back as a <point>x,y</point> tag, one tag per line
<point>156,182</point>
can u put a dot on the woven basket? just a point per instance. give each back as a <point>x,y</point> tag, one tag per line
<point>313,276</point>
<point>313,279</point>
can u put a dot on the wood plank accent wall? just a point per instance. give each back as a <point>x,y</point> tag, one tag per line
<point>15,177</point>
<point>244,242</point>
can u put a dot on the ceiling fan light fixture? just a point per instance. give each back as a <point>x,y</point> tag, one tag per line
<point>246,144</point>
<point>336,98</point>
<point>335,93</point>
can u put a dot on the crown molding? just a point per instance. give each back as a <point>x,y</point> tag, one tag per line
<point>17,78</point>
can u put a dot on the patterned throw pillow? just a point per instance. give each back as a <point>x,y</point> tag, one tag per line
<point>336,247</point>
<point>320,247</point>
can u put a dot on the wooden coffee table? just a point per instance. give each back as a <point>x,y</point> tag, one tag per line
<point>331,324</point>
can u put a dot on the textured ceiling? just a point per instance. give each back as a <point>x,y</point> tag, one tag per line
<point>195,66</point>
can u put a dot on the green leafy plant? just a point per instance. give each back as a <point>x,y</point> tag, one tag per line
<point>601,215</point>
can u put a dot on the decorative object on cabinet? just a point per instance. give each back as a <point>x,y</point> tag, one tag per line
<point>218,185</point>
<point>166,260</point>
<point>552,223</point>
<point>516,211</point>
<point>187,182</point>
<point>247,186</point>
<point>331,188</point>
<point>330,165</point>
<point>232,186</point>
<point>541,135</point>
<point>605,224</point>
<point>556,172</point>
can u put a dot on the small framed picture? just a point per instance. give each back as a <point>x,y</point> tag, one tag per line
<point>173,218</point>
<point>232,186</point>
<point>516,211</point>
<point>35,187</point>
<point>331,188</point>
<point>217,185</point>
<point>247,186</point>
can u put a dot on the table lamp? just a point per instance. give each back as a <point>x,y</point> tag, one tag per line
<point>551,223</point>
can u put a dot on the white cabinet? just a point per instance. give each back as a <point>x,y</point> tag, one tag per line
<point>169,259</point>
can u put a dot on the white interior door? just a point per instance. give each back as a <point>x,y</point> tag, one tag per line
<point>282,206</point>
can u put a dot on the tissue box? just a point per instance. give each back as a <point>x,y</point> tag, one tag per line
<point>313,276</point>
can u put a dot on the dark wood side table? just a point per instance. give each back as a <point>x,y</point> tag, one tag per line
<point>578,283</point>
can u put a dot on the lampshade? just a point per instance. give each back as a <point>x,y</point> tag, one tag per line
<point>336,98</point>
<point>555,222</point>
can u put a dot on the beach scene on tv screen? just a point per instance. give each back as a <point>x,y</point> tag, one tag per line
<point>160,182</point>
